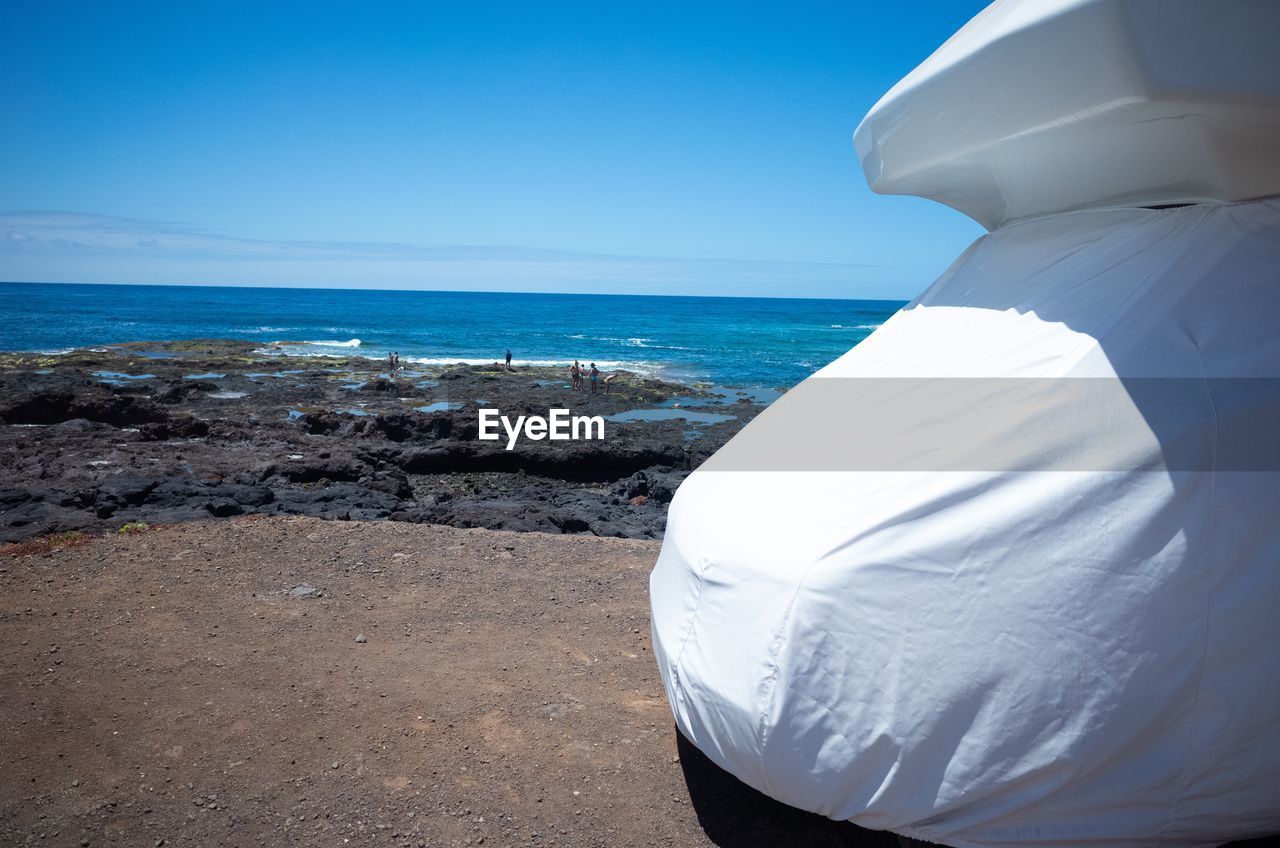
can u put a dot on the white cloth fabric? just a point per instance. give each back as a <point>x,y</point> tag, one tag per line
<point>1042,106</point>
<point>1007,657</point>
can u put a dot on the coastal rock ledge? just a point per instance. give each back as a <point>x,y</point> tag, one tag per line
<point>162,433</point>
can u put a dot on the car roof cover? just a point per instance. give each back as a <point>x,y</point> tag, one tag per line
<point>1042,106</point>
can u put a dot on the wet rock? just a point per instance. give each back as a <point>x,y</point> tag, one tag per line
<point>435,460</point>
<point>570,524</point>
<point>183,390</point>
<point>77,427</point>
<point>401,427</point>
<point>176,492</point>
<point>340,500</point>
<point>54,407</point>
<point>342,468</point>
<point>12,497</point>
<point>127,489</point>
<point>382,384</point>
<point>653,484</point>
<point>184,427</point>
<point>25,520</point>
<point>224,508</point>
<point>318,423</point>
<point>246,495</point>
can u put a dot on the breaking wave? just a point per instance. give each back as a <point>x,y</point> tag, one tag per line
<point>332,343</point>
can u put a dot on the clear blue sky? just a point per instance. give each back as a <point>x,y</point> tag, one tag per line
<point>686,148</point>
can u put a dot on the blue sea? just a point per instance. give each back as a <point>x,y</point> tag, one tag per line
<point>770,342</point>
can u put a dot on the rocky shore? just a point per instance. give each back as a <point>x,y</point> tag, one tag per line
<point>166,432</point>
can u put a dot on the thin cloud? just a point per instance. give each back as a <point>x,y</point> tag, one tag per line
<point>80,247</point>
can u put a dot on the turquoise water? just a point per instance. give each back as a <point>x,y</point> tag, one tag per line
<point>666,414</point>
<point>730,341</point>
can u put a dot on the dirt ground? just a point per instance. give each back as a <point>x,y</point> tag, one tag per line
<point>290,681</point>
<point>440,687</point>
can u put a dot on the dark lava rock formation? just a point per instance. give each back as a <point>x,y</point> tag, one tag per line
<point>171,432</point>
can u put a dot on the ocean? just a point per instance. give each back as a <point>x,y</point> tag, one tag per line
<point>770,342</point>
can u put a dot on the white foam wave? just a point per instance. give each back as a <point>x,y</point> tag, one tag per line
<point>295,349</point>
<point>634,341</point>
<point>308,349</point>
<point>331,343</point>
<point>854,326</point>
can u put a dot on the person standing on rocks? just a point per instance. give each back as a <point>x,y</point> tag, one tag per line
<point>595,378</point>
<point>508,360</point>
<point>575,373</point>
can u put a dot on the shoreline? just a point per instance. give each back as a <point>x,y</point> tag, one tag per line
<point>667,372</point>
<point>166,432</point>
<point>728,341</point>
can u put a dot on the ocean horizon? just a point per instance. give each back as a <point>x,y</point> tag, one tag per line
<point>733,341</point>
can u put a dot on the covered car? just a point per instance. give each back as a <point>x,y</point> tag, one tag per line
<point>1006,572</point>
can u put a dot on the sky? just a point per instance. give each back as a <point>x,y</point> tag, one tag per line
<point>647,148</point>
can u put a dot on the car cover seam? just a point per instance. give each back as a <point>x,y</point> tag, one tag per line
<point>677,677</point>
<point>771,682</point>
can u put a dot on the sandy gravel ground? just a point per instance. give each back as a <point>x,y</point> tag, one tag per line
<point>440,687</point>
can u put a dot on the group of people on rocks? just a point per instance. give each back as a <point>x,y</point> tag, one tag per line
<point>578,373</point>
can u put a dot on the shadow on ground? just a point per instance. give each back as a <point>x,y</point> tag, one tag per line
<point>733,815</point>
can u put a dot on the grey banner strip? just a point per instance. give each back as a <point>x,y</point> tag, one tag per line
<point>1014,424</point>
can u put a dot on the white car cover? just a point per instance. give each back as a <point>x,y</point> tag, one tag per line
<point>1006,573</point>
<point>1040,106</point>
